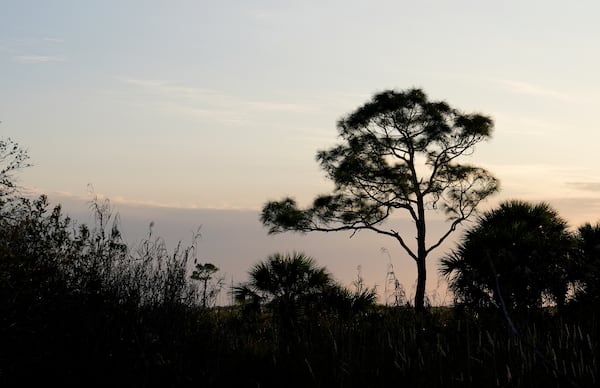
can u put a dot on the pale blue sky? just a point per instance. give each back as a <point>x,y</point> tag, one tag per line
<point>223,105</point>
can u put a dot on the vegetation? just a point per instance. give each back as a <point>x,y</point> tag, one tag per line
<point>286,282</point>
<point>519,255</point>
<point>74,299</point>
<point>211,287</point>
<point>400,152</point>
<point>588,270</point>
<point>12,159</point>
<point>79,307</point>
<point>294,287</point>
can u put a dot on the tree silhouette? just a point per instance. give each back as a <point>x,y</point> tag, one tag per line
<point>400,152</point>
<point>285,281</point>
<point>205,273</point>
<point>12,158</point>
<point>515,256</point>
<point>284,278</point>
<point>588,271</point>
<point>294,287</point>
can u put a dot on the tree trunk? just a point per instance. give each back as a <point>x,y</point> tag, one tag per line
<point>421,280</point>
<point>421,256</point>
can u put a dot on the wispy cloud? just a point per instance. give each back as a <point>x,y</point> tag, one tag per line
<point>208,104</point>
<point>585,186</point>
<point>53,40</point>
<point>578,210</point>
<point>525,88</point>
<point>510,85</point>
<point>265,15</point>
<point>534,181</point>
<point>38,58</point>
<point>524,125</point>
<point>60,196</point>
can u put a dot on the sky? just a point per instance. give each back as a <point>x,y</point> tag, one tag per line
<point>195,113</point>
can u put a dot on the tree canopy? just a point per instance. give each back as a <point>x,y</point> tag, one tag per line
<point>399,152</point>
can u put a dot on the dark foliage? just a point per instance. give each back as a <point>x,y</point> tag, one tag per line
<point>293,287</point>
<point>588,269</point>
<point>12,159</point>
<point>77,306</point>
<point>80,309</point>
<point>517,256</point>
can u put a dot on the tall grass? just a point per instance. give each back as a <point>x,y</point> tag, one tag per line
<point>392,346</point>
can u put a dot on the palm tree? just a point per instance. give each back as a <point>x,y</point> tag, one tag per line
<point>588,270</point>
<point>517,255</point>
<point>285,282</point>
